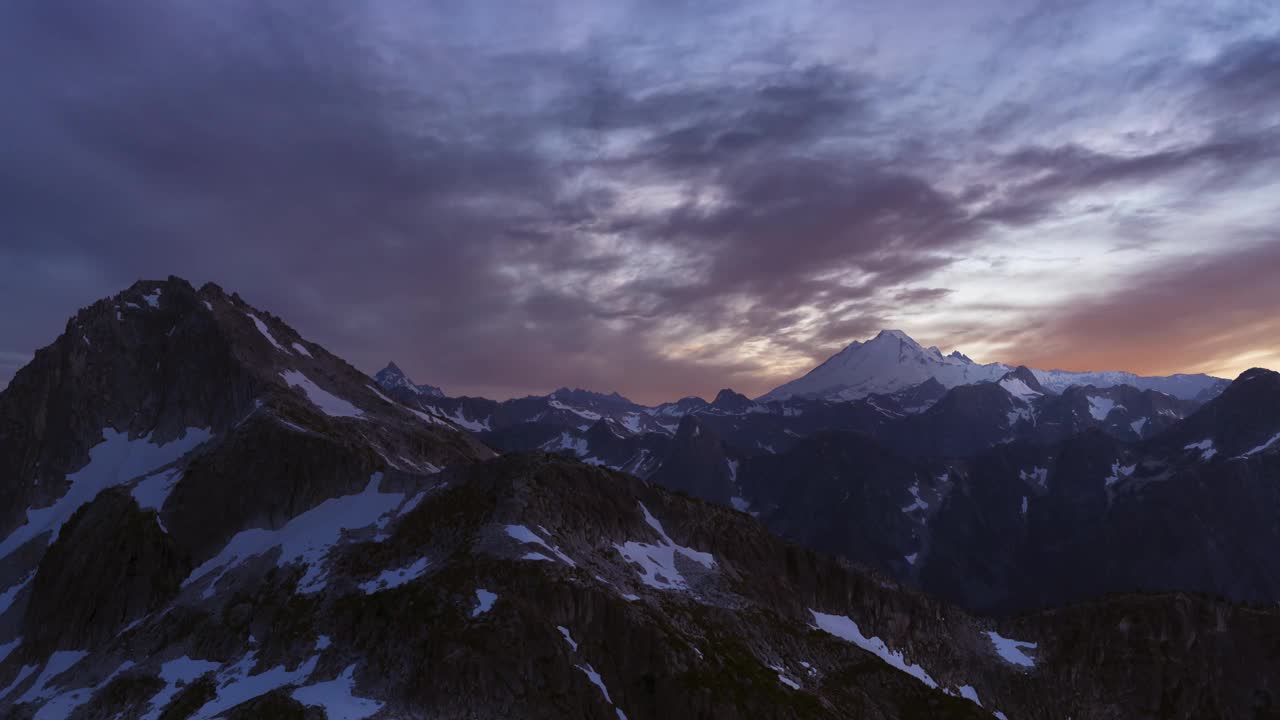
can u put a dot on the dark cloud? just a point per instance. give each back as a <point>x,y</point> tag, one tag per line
<point>510,197</point>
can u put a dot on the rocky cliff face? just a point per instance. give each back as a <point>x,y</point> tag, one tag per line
<point>541,587</point>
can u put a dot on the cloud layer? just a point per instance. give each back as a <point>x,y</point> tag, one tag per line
<point>658,198</point>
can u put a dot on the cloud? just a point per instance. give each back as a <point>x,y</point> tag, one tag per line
<point>1207,312</point>
<point>658,198</point>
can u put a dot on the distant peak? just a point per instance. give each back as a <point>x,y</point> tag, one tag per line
<point>1253,373</point>
<point>1023,374</point>
<point>392,377</point>
<point>896,335</point>
<point>730,401</point>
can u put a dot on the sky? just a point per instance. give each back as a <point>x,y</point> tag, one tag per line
<point>656,197</point>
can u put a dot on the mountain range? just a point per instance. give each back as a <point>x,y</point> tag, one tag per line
<point>205,514</point>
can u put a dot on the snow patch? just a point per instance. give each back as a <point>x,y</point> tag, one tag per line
<point>235,684</point>
<point>567,637</point>
<point>394,578</point>
<point>23,673</point>
<point>65,704</point>
<point>152,491</point>
<point>306,538</point>
<point>327,402</point>
<point>585,414</point>
<point>1100,407</point>
<point>596,680</point>
<point>1038,476</point>
<point>114,461</point>
<point>1207,451</point>
<point>1119,472</point>
<point>527,536</point>
<point>266,332</point>
<point>782,677</point>
<point>1137,426</point>
<point>484,602</point>
<point>968,693</point>
<point>58,663</point>
<point>9,647</point>
<point>382,397</point>
<point>845,629</point>
<point>917,503</point>
<point>1019,389</point>
<point>301,349</point>
<point>8,596</point>
<point>1010,650</point>
<point>337,697</point>
<point>175,674</point>
<point>658,562</point>
<point>1263,447</point>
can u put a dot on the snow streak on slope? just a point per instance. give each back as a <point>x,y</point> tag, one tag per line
<point>327,402</point>
<point>306,538</point>
<point>337,698</point>
<point>657,563</point>
<point>114,461</point>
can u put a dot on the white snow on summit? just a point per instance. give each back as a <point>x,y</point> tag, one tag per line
<point>892,361</point>
<point>889,362</point>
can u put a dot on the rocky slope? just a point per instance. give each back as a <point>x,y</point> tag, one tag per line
<point>534,586</point>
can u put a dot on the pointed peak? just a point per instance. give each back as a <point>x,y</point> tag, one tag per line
<point>392,377</point>
<point>1020,380</point>
<point>895,335</point>
<point>391,373</point>
<point>733,402</point>
<point>960,356</point>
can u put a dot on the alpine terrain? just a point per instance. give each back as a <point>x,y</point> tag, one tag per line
<point>205,515</point>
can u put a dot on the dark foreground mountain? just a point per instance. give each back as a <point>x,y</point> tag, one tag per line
<point>208,516</point>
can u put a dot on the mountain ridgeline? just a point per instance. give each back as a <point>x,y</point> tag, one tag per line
<point>206,515</point>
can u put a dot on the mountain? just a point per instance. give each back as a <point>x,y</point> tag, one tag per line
<point>392,377</point>
<point>888,362</point>
<point>207,515</point>
<point>892,361</point>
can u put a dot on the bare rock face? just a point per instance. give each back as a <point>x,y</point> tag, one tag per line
<point>111,564</point>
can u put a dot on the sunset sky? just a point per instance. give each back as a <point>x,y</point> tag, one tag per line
<point>657,197</point>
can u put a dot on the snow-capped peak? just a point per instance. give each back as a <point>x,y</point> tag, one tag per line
<point>392,377</point>
<point>889,362</point>
<point>892,361</point>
